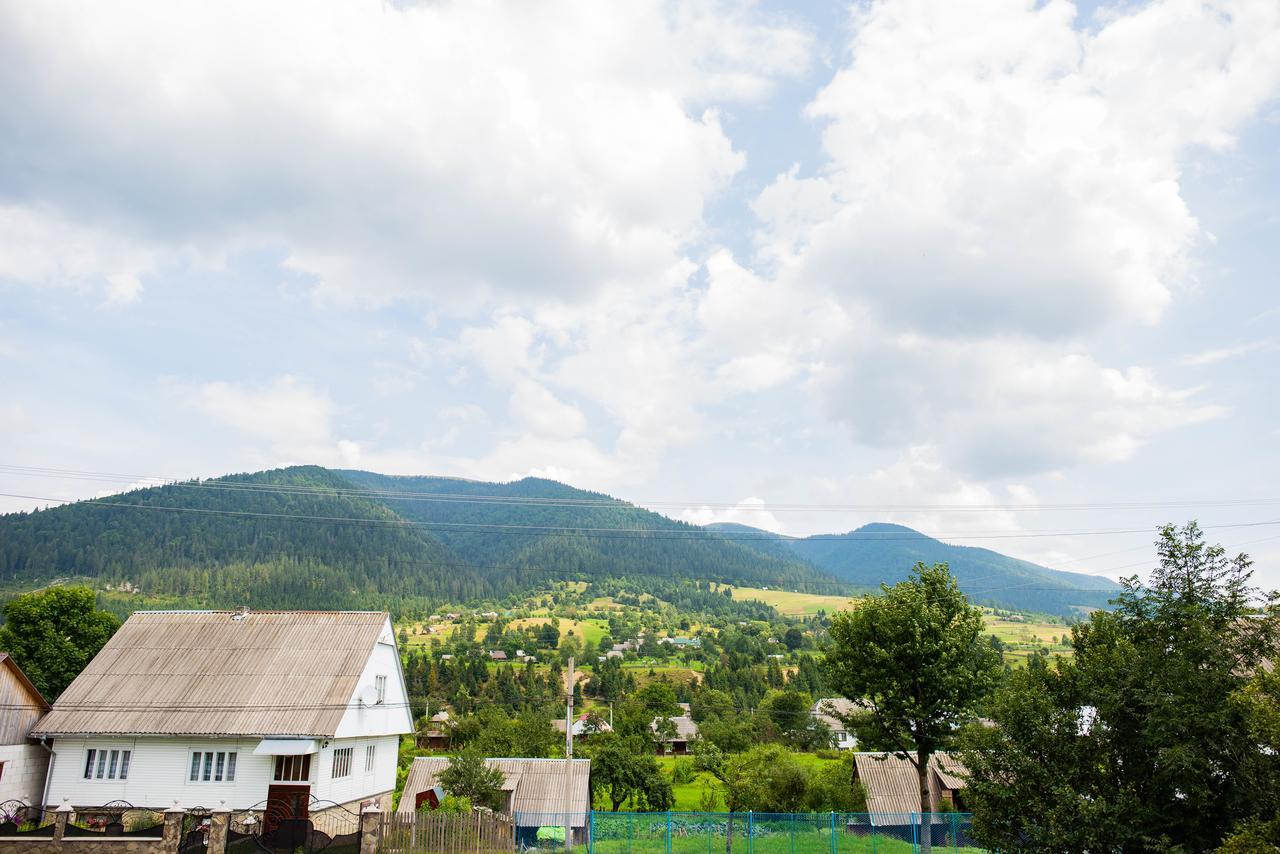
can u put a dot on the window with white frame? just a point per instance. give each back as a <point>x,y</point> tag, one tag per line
<point>380,685</point>
<point>213,766</point>
<point>106,764</point>
<point>341,762</point>
<point>369,754</point>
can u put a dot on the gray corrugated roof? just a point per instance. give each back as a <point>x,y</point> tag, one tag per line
<point>893,787</point>
<point>538,786</point>
<point>269,673</point>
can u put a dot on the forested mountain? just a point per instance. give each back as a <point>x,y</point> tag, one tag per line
<point>880,552</point>
<point>311,537</point>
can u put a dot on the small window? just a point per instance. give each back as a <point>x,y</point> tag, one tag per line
<point>369,753</point>
<point>2,770</point>
<point>213,766</point>
<point>293,769</point>
<point>380,685</point>
<point>341,762</point>
<point>106,764</point>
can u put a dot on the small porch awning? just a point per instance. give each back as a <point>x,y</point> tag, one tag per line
<point>286,746</point>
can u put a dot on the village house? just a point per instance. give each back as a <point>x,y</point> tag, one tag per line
<point>23,761</point>
<point>833,711</point>
<point>286,712</point>
<point>584,726</point>
<point>533,793</point>
<point>686,730</point>
<point>497,655</point>
<point>439,732</point>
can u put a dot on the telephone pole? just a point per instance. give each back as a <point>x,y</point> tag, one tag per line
<point>568,761</point>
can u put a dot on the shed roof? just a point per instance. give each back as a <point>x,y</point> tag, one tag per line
<point>537,787</point>
<point>893,787</point>
<point>264,673</point>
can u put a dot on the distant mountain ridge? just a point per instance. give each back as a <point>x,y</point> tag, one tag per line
<point>309,537</point>
<point>884,553</point>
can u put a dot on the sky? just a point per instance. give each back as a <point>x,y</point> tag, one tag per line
<point>796,265</point>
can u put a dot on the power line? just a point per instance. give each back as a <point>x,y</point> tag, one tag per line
<point>694,533</point>
<point>607,502</point>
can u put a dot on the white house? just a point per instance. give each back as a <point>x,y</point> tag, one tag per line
<point>22,760</point>
<point>289,712</point>
<point>834,711</point>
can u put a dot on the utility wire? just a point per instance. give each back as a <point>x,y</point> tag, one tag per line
<point>607,502</point>
<point>693,533</point>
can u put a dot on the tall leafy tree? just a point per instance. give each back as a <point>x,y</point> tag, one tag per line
<point>469,776</point>
<point>52,634</point>
<point>915,657</point>
<point>621,775</point>
<point>1151,738</point>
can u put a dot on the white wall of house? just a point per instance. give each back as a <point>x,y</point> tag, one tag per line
<point>363,781</point>
<point>844,740</point>
<point>22,772</point>
<point>390,717</point>
<point>160,771</point>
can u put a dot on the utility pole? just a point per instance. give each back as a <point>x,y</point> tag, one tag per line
<point>568,761</point>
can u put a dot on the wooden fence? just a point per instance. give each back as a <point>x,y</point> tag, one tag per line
<point>447,833</point>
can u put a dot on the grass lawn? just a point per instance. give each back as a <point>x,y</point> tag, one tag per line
<point>622,833</point>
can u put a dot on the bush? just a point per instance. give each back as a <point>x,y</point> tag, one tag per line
<point>682,772</point>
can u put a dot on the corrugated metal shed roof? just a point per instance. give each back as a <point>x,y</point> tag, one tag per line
<point>537,786</point>
<point>266,673</point>
<point>893,787</point>
<point>686,727</point>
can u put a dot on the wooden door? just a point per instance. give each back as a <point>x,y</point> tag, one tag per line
<point>286,804</point>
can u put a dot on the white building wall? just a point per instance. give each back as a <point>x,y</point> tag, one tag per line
<point>160,769</point>
<point>22,777</point>
<point>392,716</point>
<point>359,784</point>
<point>159,772</point>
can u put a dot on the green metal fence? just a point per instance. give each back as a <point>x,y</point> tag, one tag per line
<point>759,833</point>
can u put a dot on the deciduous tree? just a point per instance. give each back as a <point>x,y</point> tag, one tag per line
<point>915,657</point>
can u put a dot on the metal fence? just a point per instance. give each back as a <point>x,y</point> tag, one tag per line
<point>746,833</point>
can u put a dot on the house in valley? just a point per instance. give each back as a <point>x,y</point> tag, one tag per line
<point>533,793</point>
<point>834,712</point>
<point>23,761</point>
<point>682,733</point>
<point>288,712</point>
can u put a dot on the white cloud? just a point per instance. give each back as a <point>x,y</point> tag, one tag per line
<point>43,248</point>
<point>992,169</point>
<point>749,511</point>
<point>1222,354</point>
<point>292,418</point>
<point>542,412</point>
<point>1003,407</point>
<point>451,149</point>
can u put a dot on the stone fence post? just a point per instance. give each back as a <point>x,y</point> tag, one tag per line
<point>219,822</point>
<point>172,839</point>
<point>370,828</point>
<point>61,816</point>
